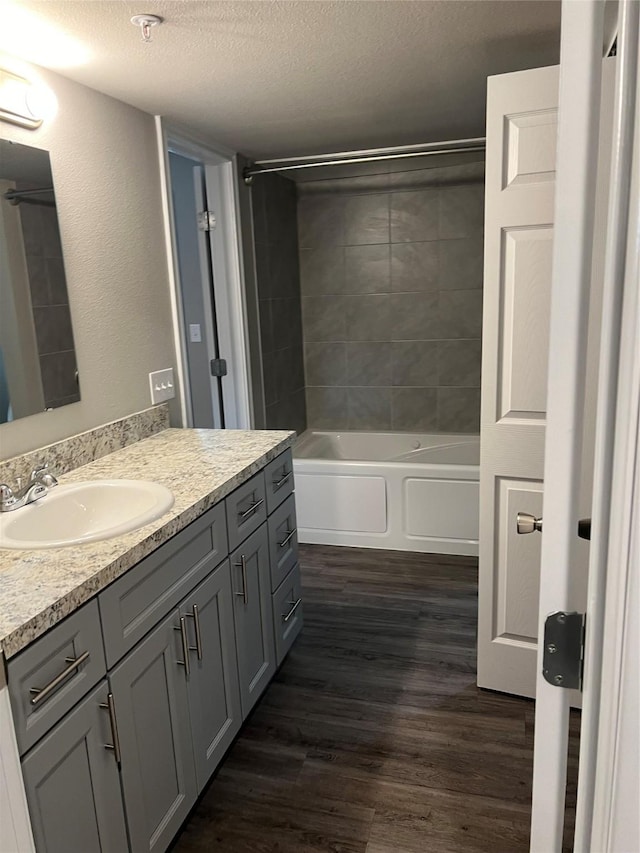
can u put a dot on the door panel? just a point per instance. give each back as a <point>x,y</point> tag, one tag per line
<point>214,693</point>
<point>158,775</point>
<point>73,785</point>
<point>253,616</point>
<point>520,182</point>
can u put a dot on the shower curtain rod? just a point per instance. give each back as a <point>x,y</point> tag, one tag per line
<point>16,196</point>
<point>370,155</point>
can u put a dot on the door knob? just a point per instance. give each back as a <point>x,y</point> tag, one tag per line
<point>527,523</point>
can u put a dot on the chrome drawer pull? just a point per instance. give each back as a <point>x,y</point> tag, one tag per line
<point>279,483</point>
<point>243,565</point>
<point>251,509</point>
<point>294,607</point>
<point>182,627</point>
<point>109,706</point>
<point>288,538</point>
<point>196,624</point>
<point>42,693</point>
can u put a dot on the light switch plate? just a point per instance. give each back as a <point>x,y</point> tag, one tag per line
<point>161,385</point>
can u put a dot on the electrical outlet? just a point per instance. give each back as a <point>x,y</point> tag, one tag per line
<point>161,385</point>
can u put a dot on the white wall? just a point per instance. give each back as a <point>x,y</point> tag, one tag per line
<point>105,169</point>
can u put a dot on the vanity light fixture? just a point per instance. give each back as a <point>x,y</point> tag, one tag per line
<point>146,22</point>
<point>17,102</point>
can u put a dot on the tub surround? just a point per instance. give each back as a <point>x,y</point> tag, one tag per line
<point>69,453</point>
<point>391,277</point>
<point>200,467</point>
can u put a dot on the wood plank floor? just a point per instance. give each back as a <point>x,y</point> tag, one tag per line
<point>373,737</point>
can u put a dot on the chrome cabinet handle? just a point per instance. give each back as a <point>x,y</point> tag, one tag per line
<point>110,706</point>
<point>251,509</point>
<point>294,607</point>
<point>182,627</point>
<point>196,624</point>
<point>277,484</point>
<point>288,538</point>
<point>42,693</point>
<point>243,565</point>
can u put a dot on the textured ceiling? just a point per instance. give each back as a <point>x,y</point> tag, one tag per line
<point>279,78</point>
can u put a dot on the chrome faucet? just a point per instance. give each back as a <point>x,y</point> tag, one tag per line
<point>40,481</point>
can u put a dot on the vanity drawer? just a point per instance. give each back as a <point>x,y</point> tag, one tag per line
<point>246,510</point>
<point>287,613</point>
<point>283,541</point>
<point>62,666</point>
<point>278,476</point>
<point>134,603</point>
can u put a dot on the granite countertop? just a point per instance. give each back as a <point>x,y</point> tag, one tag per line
<point>39,588</point>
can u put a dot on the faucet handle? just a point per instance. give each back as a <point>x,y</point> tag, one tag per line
<point>41,474</point>
<point>6,495</point>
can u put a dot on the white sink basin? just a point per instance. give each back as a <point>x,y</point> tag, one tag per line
<point>84,512</point>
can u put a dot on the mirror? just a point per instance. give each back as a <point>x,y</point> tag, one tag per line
<point>38,368</point>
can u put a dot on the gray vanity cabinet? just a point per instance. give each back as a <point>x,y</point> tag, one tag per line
<point>73,785</point>
<point>152,710</point>
<point>213,689</point>
<point>253,615</point>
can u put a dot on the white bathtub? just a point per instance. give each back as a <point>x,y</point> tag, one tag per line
<point>405,491</point>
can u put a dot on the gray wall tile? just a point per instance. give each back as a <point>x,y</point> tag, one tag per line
<point>414,363</point>
<point>325,363</point>
<point>414,409</point>
<point>368,317</point>
<point>413,316</point>
<point>459,363</point>
<point>461,211</point>
<point>324,318</point>
<point>322,270</point>
<point>461,263</point>
<point>414,266</point>
<point>392,308</point>
<point>460,314</point>
<point>368,364</point>
<point>327,408</point>
<point>414,216</point>
<point>367,269</point>
<point>369,408</point>
<point>320,221</point>
<point>459,409</point>
<point>274,211</point>
<point>366,219</point>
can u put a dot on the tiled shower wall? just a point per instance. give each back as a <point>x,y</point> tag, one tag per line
<point>278,284</point>
<point>50,301</point>
<point>391,280</point>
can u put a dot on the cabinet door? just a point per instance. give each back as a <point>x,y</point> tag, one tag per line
<point>251,583</point>
<point>158,777</point>
<point>214,693</point>
<point>73,785</point>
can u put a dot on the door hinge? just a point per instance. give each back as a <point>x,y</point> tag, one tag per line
<point>218,367</point>
<point>206,220</point>
<point>563,658</point>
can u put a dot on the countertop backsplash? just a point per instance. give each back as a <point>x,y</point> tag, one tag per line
<point>77,450</point>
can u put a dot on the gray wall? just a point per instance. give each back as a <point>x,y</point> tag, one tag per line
<point>104,160</point>
<point>391,278</point>
<point>278,284</point>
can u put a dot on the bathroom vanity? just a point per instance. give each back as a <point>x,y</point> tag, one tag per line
<point>144,654</point>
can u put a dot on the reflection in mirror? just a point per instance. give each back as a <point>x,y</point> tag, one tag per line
<point>37,356</point>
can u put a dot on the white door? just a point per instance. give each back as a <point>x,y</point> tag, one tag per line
<point>522,113</point>
<point>522,123</point>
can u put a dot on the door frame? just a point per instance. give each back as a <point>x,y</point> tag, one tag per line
<point>606,818</point>
<point>231,312</point>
